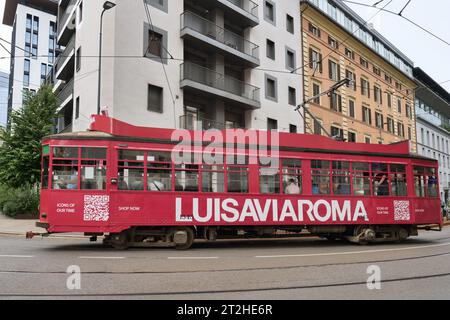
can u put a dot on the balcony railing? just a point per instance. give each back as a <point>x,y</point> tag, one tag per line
<point>67,14</point>
<point>190,122</point>
<point>211,78</point>
<point>247,5</point>
<point>65,55</point>
<point>66,92</point>
<point>230,39</point>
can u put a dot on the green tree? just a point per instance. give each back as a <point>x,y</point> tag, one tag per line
<point>20,154</point>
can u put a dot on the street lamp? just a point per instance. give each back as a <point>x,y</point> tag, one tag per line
<point>106,6</point>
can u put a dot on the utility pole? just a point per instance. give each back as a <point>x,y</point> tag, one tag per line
<point>329,92</point>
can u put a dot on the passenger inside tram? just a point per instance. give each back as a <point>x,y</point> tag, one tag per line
<point>292,187</point>
<point>155,184</point>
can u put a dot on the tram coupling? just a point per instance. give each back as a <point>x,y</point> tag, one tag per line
<point>30,235</point>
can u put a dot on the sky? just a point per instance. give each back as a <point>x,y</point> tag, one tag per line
<point>428,53</point>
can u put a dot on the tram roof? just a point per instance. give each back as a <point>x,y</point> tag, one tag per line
<point>106,128</point>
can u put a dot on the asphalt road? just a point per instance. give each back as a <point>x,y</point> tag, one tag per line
<point>307,268</point>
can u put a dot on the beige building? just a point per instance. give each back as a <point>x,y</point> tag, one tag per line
<point>378,105</point>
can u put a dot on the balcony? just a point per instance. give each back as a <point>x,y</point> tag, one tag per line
<point>206,35</point>
<point>65,96</point>
<point>66,23</point>
<point>243,13</point>
<point>190,122</point>
<point>65,63</point>
<point>209,82</point>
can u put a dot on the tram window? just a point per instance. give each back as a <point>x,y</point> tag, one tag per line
<point>398,180</point>
<point>361,179</point>
<point>320,177</point>
<point>425,182</point>
<point>65,178</point>
<point>269,176</point>
<point>341,178</point>
<point>186,178</point>
<point>45,172</point>
<point>131,170</point>
<point>93,153</point>
<point>292,176</point>
<point>65,153</point>
<point>213,179</point>
<point>380,179</point>
<point>159,171</point>
<point>237,179</point>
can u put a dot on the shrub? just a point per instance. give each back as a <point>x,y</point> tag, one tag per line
<point>18,201</point>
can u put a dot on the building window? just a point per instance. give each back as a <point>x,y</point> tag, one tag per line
<point>337,133</point>
<point>379,120</point>
<point>352,77</point>
<point>389,99</point>
<point>333,43</point>
<point>272,124</point>
<point>290,59</point>
<point>270,49</point>
<point>26,73</point>
<point>351,108</point>
<point>351,137</point>
<point>159,4</point>
<point>155,99</point>
<point>271,88</point>
<point>408,111</point>
<point>292,128</point>
<point>316,92</point>
<point>334,70</point>
<point>336,102</point>
<point>399,105</point>
<point>401,130</point>
<point>269,11</point>
<point>292,94</point>
<point>318,127</point>
<point>409,133</point>
<point>365,88</point>
<point>43,73</point>
<point>391,126</point>
<point>51,42</point>
<point>77,108</point>
<point>367,115</point>
<point>364,62</point>
<point>315,60</point>
<point>378,96</point>
<point>35,37</point>
<point>368,140</point>
<point>377,71</point>
<point>155,43</point>
<point>349,53</point>
<point>398,86</point>
<point>79,59</point>
<point>388,79</point>
<point>314,30</point>
<point>290,27</point>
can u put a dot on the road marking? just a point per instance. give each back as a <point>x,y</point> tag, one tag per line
<point>16,256</point>
<point>103,258</point>
<point>353,252</point>
<point>192,258</point>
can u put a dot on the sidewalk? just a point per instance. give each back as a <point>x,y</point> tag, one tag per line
<point>13,227</point>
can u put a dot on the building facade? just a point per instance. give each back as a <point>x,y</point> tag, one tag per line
<point>4,90</point>
<point>33,45</point>
<point>182,64</point>
<point>377,106</point>
<point>432,103</point>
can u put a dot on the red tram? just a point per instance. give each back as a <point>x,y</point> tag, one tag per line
<point>121,182</point>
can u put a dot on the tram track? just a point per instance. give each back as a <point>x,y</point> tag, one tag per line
<point>210,292</point>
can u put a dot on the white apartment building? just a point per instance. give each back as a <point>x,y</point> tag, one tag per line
<point>433,126</point>
<point>187,63</point>
<point>33,45</point>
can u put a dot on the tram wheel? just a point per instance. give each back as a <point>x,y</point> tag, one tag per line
<point>119,241</point>
<point>183,238</point>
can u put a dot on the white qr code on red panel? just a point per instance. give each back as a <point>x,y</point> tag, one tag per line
<point>402,211</point>
<point>96,208</point>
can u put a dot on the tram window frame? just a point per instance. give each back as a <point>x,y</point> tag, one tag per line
<point>341,176</point>
<point>45,175</point>
<point>65,158</point>
<point>243,170</point>
<point>424,173</point>
<point>323,175</point>
<point>394,171</point>
<point>162,167</point>
<point>95,158</point>
<point>294,172</point>
<point>191,173</point>
<point>128,163</point>
<point>381,169</point>
<point>215,176</point>
<point>269,176</point>
<point>361,171</point>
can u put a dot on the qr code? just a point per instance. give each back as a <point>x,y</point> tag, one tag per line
<point>401,211</point>
<point>96,208</point>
